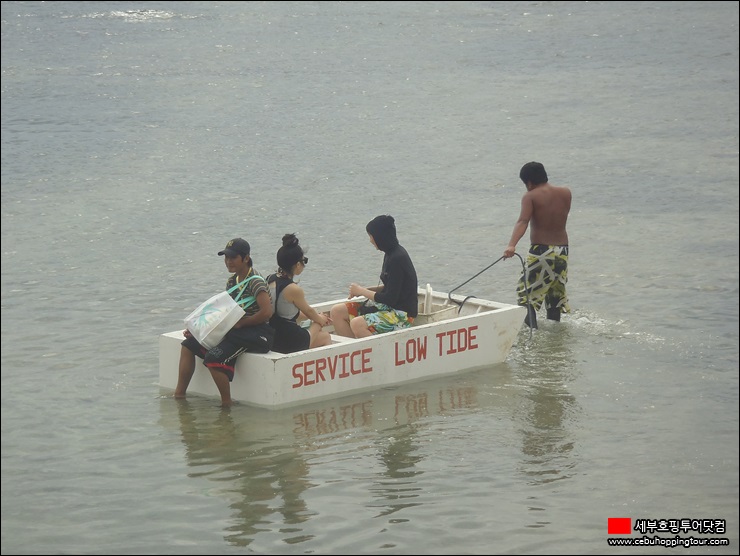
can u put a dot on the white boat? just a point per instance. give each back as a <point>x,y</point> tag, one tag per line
<point>451,334</point>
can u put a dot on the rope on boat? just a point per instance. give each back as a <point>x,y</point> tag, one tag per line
<point>526,286</point>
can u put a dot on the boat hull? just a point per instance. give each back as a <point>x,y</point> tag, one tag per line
<point>442,342</point>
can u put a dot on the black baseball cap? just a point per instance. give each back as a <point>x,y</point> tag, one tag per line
<point>236,246</point>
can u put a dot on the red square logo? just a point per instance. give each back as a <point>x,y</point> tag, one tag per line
<point>620,526</point>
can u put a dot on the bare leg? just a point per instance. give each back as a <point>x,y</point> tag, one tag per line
<point>223,385</point>
<point>553,313</point>
<point>359,328</point>
<point>185,372</point>
<point>318,336</point>
<point>340,318</point>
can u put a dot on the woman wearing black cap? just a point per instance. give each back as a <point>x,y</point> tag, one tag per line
<point>395,304</point>
<point>251,333</point>
<point>290,305</point>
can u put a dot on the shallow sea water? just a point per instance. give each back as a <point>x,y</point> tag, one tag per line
<point>136,140</point>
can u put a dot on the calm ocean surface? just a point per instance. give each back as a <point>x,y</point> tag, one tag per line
<point>138,137</point>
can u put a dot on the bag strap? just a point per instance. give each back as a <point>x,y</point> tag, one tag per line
<point>247,301</point>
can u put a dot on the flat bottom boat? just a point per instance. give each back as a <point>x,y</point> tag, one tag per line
<point>451,334</point>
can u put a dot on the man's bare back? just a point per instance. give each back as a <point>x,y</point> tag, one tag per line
<point>550,208</point>
<point>546,208</point>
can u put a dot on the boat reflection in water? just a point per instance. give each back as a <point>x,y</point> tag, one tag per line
<point>278,469</point>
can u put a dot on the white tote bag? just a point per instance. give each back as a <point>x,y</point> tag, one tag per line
<point>210,322</point>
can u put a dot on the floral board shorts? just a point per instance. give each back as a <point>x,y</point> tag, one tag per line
<point>385,319</point>
<point>547,275</point>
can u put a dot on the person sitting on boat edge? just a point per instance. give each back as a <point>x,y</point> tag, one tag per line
<point>290,305</point>
<point>251,333</point>
<point>395,303</point>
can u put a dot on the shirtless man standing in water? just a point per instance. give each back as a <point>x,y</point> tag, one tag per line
<point>547,207</point>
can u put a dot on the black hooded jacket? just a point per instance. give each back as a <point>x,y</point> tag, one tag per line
<point>398,275</point>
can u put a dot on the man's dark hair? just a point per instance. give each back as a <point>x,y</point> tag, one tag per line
<point>533,172</point>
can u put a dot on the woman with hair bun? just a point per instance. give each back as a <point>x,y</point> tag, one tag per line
<point>289,303</point>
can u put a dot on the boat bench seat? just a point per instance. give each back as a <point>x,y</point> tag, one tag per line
<point>337,339</point>
<point>438,314</point>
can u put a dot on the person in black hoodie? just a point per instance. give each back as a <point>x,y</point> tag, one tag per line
<point>390,306</point>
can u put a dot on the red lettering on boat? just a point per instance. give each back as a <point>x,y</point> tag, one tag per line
<point>455,341</point>
<point>415,349</point>
<point>343,365</point>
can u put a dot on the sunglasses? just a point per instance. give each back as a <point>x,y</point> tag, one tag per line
<point>305,261</point>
